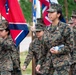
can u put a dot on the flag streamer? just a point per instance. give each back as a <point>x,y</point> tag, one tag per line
<point>45,6</point>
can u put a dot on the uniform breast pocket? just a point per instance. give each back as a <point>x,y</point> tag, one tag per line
<point>56,37</point>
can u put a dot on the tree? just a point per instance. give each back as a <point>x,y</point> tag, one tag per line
<point>26,6</point>
<point>71,6</point>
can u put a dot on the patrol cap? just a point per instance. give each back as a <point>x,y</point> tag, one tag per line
<point>3,25</point>
<point>70,22</point>
<point>39,20</point>
<point>73,13</point>
<point>55,7</point>
<point>40,25</point>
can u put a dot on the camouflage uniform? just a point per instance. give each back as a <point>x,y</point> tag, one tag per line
<point>58,35</point>
<point>6,64</point>
<point>37,49</point>
<point>16,61</point>
<point>8,54</point>
<point>73,52</point>
<point>55,36</point>
<point>34,51</point>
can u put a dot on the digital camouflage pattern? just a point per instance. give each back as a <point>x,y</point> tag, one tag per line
<point>5,73</point>
<point>40,25</point>
<point>73,52</point>
<point>3,25</point>
<point>5,55</point>
<point>16,61</point>
<point>8,57</point>
<point>35,49</point>
<point>6,64</point>
<point>8,48</point>
<point>58,35</point>
<point>54,7</point>
<point>73,13</point>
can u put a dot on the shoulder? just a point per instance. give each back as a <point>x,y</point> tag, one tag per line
<point>9,41</point>
<point>64,26</point>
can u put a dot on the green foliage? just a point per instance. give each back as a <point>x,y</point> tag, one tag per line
<point>26,6</point>
<point>71,5</point>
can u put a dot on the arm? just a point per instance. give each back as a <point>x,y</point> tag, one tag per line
<point>29,56</point>
<point>67,41</point>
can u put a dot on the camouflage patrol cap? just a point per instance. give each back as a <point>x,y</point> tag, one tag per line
<point>70,22</point>
<point>40,25</point>
<point>3,25</point>
<point>73,13</point>
<point>39,20</point>
<point>55,7</point>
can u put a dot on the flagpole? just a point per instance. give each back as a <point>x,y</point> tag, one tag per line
<point>36,14</point>
<point>66,10</point>
<point>34,20</point>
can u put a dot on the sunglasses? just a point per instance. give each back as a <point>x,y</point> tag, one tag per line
<point>38,31</point>
<point>1,30</point>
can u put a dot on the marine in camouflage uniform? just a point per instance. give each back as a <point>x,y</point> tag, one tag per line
<point>8,52</point>
<point>6,64</point>
<point>73,52</point>
<point>36,48</point>
<point>16,61</point>
<point>34,51</point>
<point>58,34</point>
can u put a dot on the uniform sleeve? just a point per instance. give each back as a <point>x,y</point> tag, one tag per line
<point>41,59</point>
<point>67,41</point>
<point>29,56</point>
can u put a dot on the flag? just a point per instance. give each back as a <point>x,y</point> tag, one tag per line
<point>45,6</point>
<point>11,11</point>
<point>36,11</point>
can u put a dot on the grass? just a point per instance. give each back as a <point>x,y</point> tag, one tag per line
<point>29,68</point>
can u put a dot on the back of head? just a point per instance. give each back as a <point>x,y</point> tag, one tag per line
<point>70,22</point>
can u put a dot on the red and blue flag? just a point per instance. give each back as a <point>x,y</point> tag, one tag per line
<point>11,11</point>
<point>45,5</point>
